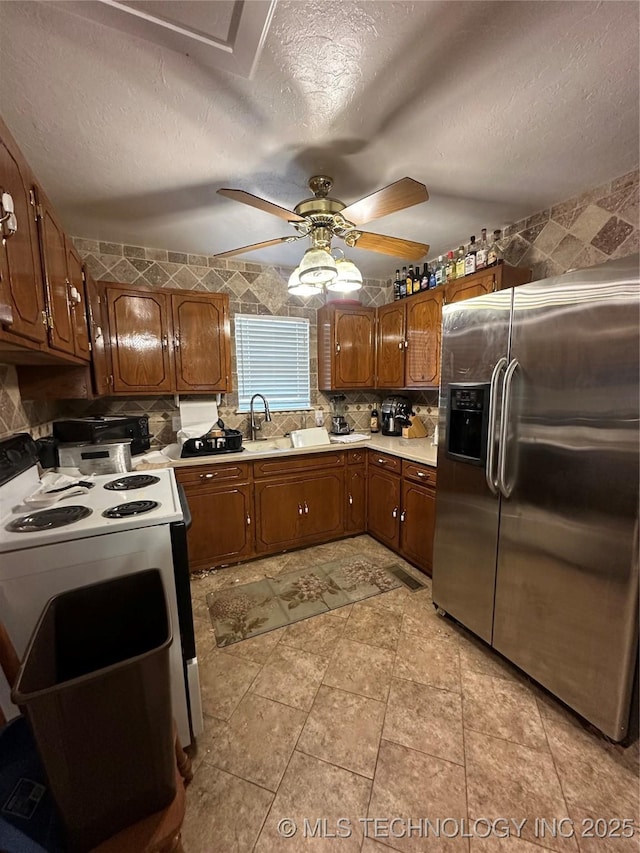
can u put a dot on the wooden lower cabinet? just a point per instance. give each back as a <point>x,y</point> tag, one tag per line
<point>355,519</point>
<point>294,512</point>
<point>417,524</point>
<point>383,507</point>
<point>220,498</point>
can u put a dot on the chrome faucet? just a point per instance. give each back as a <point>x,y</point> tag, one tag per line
<point>254,426</point>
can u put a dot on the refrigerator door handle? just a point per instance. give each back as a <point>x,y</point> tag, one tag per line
<point>504,428</point>
<point>490,475</point>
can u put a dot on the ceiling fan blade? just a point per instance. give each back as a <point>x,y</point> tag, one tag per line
<point>403,193</point>
<point>261,204</point>
<point>395,246</point>
<point>254,247</point>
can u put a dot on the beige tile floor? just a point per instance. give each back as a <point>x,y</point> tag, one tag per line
<point>382,709</point>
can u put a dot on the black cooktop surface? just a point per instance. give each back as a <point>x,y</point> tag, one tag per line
<point>47,519</point>
<point>130,508</point>
<point>135,481</point>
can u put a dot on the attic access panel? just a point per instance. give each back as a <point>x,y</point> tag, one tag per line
<point>227,35</point>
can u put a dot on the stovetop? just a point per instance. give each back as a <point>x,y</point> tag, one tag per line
<point>154,498</point>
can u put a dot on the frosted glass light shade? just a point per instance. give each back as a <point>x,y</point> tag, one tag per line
<point>317,267</point>
<point>296,288</point>
<point>349,277</point>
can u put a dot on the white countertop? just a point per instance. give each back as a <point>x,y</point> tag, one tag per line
<point>413,449</point>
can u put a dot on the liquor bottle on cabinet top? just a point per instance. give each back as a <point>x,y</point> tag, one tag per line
<point>424,281</point>
<point>494,255</point>
<point>470,257</point>
<point>440,272</point>
<point>409,280</point>
<point>460,262</point>
<point>432,276</point>
<point>450,270</point>
<point>396,286</point>
<point>416,279</point>
<point>483,251</point>
<point>403,283</point>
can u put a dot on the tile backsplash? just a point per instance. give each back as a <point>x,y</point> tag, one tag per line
<point>599,224</point>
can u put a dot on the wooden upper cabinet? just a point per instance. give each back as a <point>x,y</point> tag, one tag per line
<point>346,347</point>
<point>201,341</point>
<point>424,326</point>
<point>99,334</point>
<point>140,330</point>
<point>77,302</point>
<point>390,346</point>
<point>53,248</point>
<point>21,293</point>
<point>470,286</point>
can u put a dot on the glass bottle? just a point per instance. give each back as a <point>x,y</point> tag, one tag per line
<point>432,276</point>
<point>494,255</point>
<point>409,280</point>
<point>396,286</point>
<point>440,271</point>
<point>450,272</point>
<point>470,257</point>
<point>460,262</point>
<point>416,279</point>
<point>424,282</point>
<point>403,283</point>
<point>483,251</point>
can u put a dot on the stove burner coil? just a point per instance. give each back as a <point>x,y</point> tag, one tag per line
<point>130,508</point>
<point>135,481</point>
<point>48,519</point>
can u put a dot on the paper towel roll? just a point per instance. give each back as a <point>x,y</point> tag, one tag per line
<point>196,418</point>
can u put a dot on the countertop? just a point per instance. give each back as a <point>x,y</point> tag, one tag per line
<point>413,449</point>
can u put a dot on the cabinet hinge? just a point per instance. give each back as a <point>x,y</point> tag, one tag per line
<point>90,346</point>
<point>50,321</point>
<point>84,277</point>
<point>43,316</point>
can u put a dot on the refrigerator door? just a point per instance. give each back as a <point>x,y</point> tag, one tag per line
<point>566,607</point>
<point>475,344</point>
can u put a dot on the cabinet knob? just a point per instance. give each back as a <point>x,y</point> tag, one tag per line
<point>420,474</point>
<point>406,344</point>
<point>350,499</point>
<point>248,520</point>
<point>395,512</point>
<point>337,348</point>
<point>382,461</point>
<point>98,333</point>
<point>306,508</point>
<point>299,510</point>
<point>401,345</point>
<point>208,476</point>
<point>402,515</point>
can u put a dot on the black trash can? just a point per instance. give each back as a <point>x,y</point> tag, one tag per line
<point>94,686</point>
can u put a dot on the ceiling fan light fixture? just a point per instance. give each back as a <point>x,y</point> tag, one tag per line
<point>297,288</point>
<point>349,278</point>
<point>317,267</point>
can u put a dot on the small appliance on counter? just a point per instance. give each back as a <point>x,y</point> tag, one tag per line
<point>215,441</point>
<point>98,429</point>
<point>339,424</point>
<point>113,457</point>
<point>395,413</point>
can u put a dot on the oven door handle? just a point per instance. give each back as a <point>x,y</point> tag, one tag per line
<point>490,473</point>
<point>184,506</point>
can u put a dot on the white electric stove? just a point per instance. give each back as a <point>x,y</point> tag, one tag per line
<point>124,523</point>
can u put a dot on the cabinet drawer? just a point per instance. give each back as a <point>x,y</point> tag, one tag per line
<point>296,464</point>
<point>200,475</point>
<point>419,473</point>
<point>388,463</point>
<point>356,457</point>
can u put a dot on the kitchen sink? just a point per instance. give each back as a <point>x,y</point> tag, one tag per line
<point>269,444</point>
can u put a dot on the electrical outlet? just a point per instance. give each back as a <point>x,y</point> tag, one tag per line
<point>175,423</point>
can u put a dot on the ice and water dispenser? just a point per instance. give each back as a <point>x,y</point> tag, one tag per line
<point>467,422</point>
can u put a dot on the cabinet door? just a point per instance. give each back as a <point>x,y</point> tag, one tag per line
<point>139,333</point>
<point>98,334</point>
<point>22,290</point>
<point>56,278</point>
<point>417,523</point>
<point>470,286</point>
<point>279,513</point>
<point>356,500</point>
<point>354,348</point>
<point>322,504</point>
<point>383,507</point>
<point>222,525</point>
<point>77,302</point>
<point>424,322</point>
<point>201,341</point>
<point>390,346</point>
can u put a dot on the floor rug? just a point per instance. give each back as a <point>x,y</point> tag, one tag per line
<point>240,612</point>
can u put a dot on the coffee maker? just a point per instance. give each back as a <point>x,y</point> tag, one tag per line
<point>339,425</point>
<point>395,414</point>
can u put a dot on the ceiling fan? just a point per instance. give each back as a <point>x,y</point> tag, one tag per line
<point>322,217</point>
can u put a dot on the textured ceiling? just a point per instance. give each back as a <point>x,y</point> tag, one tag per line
<point>499,108</point>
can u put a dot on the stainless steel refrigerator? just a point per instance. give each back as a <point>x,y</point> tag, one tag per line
<point>536,542</point>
